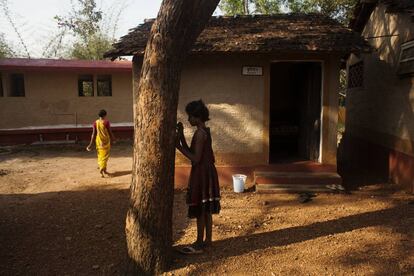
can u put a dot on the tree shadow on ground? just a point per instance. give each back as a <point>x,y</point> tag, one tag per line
<point>237,246</point>
<point>381,264</point>
<point>73,233</point>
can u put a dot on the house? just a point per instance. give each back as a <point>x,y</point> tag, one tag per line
<point>47,100</point>
<point>270,82</point>
<point>379,139</point>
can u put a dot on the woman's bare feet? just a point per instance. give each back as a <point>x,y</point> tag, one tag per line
<point>107,173</point>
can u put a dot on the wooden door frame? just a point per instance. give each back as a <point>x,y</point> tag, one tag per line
<point>267,102</point>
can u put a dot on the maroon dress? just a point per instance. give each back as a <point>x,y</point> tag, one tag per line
<point>203,194</point>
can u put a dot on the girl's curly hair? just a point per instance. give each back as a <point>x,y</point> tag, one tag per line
<point>198,109</point>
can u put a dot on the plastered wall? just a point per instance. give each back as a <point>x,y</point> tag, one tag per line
<point>51,98</point>
<point>382,111</point>
<point>236,106</point>
<point>239,105</point>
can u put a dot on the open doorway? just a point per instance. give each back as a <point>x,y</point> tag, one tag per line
<point>295,111</point>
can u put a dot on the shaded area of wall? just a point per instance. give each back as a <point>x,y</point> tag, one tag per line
<point>361,162</point>
<point>378,144</point>
<point>330,109</point>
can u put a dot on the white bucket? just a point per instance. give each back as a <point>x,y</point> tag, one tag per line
<point>238,182</point>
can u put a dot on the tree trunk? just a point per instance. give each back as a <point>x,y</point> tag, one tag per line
<point>149,218</point>
<point>246,7</point>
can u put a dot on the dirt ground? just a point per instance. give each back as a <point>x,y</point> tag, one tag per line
<point>59,217</point>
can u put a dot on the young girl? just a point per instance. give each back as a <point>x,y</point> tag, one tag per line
<point>203,194</point>
<point>103,136</point>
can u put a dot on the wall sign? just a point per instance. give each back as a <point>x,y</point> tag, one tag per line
<point>252,71</point>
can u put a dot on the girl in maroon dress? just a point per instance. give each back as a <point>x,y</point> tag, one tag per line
<point>203,194</point>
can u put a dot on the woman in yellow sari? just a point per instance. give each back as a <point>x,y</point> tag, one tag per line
<point>103,136</point>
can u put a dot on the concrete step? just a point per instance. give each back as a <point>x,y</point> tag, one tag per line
<point>325,178</point>
<point>289,188</point>
<point>295,174</point>
<point>54,142</point>
<point>293,182</point>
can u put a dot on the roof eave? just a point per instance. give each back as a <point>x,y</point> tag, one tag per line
<point>362,49</point>
<point>362,12</point>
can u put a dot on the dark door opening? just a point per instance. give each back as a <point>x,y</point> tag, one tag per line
<point>295,110</point>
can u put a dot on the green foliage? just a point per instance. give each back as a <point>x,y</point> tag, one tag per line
<point>5,50</point>
<point>232,7</point>
<point>83,23</point>
<point>267,6</point>
<point>337,9</point>
<point>94,48</point>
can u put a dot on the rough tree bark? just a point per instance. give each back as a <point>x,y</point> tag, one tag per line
<point>246,6</point>
<point>149,218</point>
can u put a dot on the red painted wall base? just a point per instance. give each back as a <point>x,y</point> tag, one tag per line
<point>402,170</point>
<point>30,136</point>
<point>361,162</point>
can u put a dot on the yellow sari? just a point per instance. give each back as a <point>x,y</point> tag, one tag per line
<point>103,143</point>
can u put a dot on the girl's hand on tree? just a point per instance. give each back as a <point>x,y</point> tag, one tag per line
<point>177,142</point>
<point>180,128</point>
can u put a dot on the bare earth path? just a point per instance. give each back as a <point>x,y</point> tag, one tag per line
<point>59,217</point>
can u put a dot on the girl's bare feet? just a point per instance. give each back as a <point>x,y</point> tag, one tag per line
<point>198,245</point>
<point>207,243</point>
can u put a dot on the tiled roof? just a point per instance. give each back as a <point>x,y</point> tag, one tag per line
<point>258,33</point>
<point>61,64</point>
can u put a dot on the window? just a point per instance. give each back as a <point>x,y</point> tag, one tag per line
<point>104,85</point>
<point>1,86</point>
<point>85,85</point>
<point>406,64</point>
<point>356,75</point>
<point>16,85</point>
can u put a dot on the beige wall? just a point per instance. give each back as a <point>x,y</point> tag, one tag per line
<point>51,98</point>
<point>235,102</point>
<point>330,109</point>
<point>239,105</point>
<point>382,111</point>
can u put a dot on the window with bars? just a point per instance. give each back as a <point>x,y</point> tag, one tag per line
<point>356,75</point>
<point>1,86</point>
<point>85,85</point>
<point>104,85</point>
<point>16,85</point>
<point>406,63</point>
